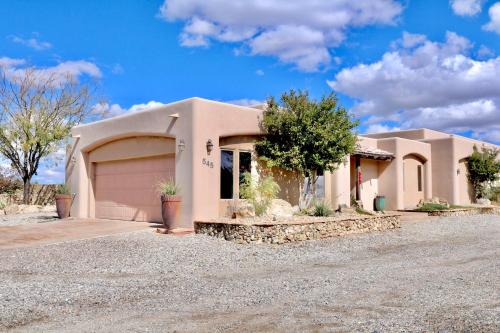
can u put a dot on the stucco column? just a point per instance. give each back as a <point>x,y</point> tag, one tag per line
<point>340,185</point>
<point>399,175</point>
<point>428,179</point>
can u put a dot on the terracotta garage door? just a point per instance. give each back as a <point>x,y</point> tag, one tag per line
<point>126,189</point>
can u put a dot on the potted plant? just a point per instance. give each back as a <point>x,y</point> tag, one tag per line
<point>170,204</point>
<point>63,201</point>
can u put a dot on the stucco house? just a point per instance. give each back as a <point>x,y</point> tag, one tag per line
<point>114,165</point>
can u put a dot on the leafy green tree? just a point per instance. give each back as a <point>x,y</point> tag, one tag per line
<point>305,135</point>
<point>37,111</point>
<point>483,169</point>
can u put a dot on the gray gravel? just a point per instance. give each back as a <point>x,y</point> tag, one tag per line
<point>440,275</point>
<point>16,219</point>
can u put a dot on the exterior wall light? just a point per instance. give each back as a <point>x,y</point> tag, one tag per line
<point>210,146</point>
<point>181,146</point>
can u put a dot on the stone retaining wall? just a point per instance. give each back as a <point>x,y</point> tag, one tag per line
<point>466,211</point>
<point>280,233</point>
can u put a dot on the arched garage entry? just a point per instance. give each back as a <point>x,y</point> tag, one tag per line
<point>125,174</point>
<point>413,180</point>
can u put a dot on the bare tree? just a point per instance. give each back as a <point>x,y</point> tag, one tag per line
<point>38,108</point>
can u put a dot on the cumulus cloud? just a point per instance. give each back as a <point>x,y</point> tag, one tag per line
<point>246,102</point>
<point>33,43</point>
<point>427,84</point>
<point>494,23</point>
<point>296,32</point>
<point>466,7</point>
<point>381,128</point>
<point>107,110</point>
<point>63,71</point>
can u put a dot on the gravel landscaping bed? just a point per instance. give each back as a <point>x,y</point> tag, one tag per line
<point>16,219</point>
<point>440,275</point>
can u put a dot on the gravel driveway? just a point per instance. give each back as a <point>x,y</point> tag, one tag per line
<point>440,275</point>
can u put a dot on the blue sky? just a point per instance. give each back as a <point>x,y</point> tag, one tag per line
<point>396,64</point>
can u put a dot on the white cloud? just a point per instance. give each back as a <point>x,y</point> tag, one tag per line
<point>485,52</point>
<point>246,102</point>
<point>494,23</point>
<point>296,32</point>
<point>107,111</point>
<point>62,71</point>
<point>33,43</point>
<point>436,85</point>
<point>466,7</point>
<point>259,72</point>
<point>380,128</point>
<point>117,69</point>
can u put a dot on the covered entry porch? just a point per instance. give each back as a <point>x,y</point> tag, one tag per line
<point>366,166</point>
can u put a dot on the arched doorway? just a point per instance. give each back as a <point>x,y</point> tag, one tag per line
<point>413,180</point>
<point>466,192</point>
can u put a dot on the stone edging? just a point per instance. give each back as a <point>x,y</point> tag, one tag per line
<point>466,211</point>
<point>284,233</point>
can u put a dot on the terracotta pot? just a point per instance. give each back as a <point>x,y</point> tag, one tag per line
<point>63,205</point>
<point>170,211</point>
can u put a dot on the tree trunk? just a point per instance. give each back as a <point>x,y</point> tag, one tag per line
<point>26,191</point>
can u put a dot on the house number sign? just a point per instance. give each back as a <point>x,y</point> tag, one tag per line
<point>208,163</point>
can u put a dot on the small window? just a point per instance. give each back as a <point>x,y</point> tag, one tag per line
<point>419,175</point>
<point>245,164</point>
<point>226,174</point>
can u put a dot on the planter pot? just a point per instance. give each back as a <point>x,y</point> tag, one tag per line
<point>170,211</point>
<point>380,203</point>
<point>63,205</point>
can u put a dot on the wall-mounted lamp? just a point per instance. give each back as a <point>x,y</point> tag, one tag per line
<point>210,146</point>
<point>181,146</point>
<point>73,159</point>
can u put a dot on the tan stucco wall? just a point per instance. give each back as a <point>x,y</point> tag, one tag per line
<point>449,182</point>
<point>194,121</point>
<point>391,177</point>
<point>198,120</point>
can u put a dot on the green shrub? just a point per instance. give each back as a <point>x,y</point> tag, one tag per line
<point>62,189</point>
<point>168,188</point>
<point>260,193</point>
<point>3,203</point>
<point>322,208</point>
<point>431,207</point>
<point>483,169</point>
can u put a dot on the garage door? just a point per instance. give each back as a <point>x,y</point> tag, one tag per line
<point>126,190</point>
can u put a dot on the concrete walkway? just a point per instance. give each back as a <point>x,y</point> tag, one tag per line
<point>64,230</point>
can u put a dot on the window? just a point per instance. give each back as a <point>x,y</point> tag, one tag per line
<point>245,164</point>
<point>226,174</point>
<point>419,175</point>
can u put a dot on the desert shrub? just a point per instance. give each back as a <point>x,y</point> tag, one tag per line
<point>483,169</point>
<point>259,193</point>
<point>322,208</point>
<point>62,189</point>
<point>168,188</point>
<point>431,207</point>
<point>493,193</point>
<point>3,203</point>
<point>9,184</point>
